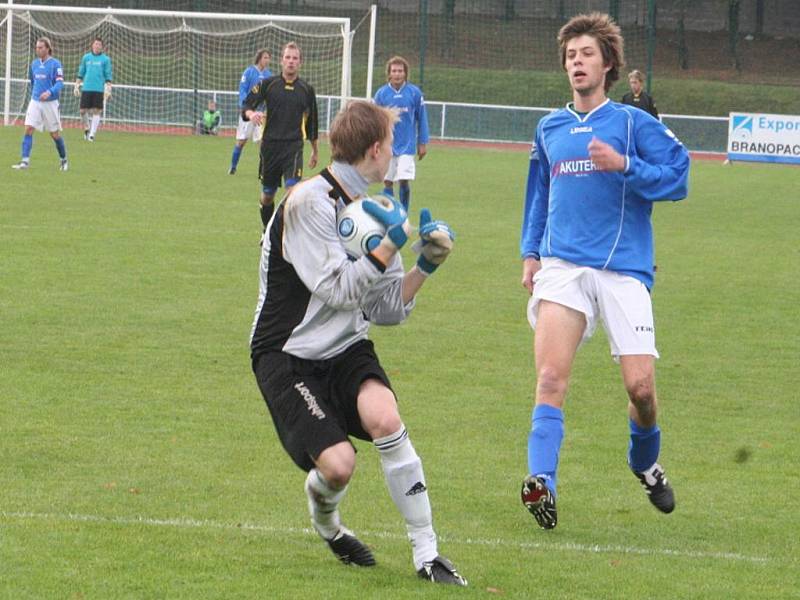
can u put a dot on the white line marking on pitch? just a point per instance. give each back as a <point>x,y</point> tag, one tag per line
<point>498,542</point>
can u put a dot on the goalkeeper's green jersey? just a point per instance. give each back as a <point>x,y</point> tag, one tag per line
<point>211,119</point>
<point>94,71</point>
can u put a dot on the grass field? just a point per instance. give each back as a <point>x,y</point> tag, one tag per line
<point>137,459</point>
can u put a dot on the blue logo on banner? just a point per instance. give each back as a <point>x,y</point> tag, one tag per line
<point>742,127</point>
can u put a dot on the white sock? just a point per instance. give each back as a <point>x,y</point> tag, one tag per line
<point>323,504</point>
<point>95,125</point>
<point>85,121</point>
<point>406,481</point>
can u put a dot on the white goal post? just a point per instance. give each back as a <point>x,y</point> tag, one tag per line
<point>169,64</point>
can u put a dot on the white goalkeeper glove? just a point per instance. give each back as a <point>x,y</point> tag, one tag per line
<point>434,244</point>
<point>107,91</point>
<point>76,91</point>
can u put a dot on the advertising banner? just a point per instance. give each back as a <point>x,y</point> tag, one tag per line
<point>764,138</point>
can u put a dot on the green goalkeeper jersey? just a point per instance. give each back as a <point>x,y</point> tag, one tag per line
<point>211,119</point>
<point>94,71</point>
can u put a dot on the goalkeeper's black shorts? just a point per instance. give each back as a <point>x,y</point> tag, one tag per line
<point>92,100</point>
<point>280,160</point>
<point>314,403</point>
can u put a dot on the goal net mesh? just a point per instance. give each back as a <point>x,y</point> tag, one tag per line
<point>166,68</point>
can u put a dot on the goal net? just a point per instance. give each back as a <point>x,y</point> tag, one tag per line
<point>168,65</point>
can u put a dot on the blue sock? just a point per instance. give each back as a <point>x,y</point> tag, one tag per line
<point>405,195</point>
<point>544,443</point>
<point>62,149</point>
<point>237,152</point>
<point>644,447</point>
<point>388,190</point>
<point>27,144</point>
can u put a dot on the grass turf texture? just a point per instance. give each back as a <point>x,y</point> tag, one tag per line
<point>138,459</point>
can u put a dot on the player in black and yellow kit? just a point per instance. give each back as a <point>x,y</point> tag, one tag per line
<point>290,117</point>
<point>637,96</point>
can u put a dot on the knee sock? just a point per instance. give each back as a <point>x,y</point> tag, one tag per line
<point>266,213</point>
<point>237,153</point>
<point>405,195</point>
<point>323,504</point>
<point>388,190</point>
<point>644,447</point>
<point>406,482</point>
<point>27,145</point>
<point>62,149</point>
<point>85,122</point>
<point>544,443</point>
<point>95,125</point>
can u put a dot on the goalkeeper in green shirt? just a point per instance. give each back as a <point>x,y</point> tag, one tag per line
<point>93,87</point>
<point>212,118</point>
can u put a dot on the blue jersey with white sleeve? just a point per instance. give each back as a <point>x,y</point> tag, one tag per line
<point>46,76</point>
<point>251,78</point>
<point>595,218</point>
<point>412,128</point>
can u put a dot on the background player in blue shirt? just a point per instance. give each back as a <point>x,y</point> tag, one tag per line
<point>47,80</point>
<point>587,246</point>
<point>410,133</point>
<point>251,78</point>
<point>93,86</point>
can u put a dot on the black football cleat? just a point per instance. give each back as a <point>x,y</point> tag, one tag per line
<point>350,550</point>
<point>441,570</point>
<point>539,501</point>
<point>658,489</point>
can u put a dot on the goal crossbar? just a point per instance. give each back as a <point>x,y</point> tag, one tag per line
<point>13,12</point>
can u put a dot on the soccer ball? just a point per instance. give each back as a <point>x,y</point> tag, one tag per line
<point>358,231</point>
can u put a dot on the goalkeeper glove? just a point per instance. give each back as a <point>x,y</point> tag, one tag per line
<point>106,91</point>
<point>76,91</point>
<point>434,244</point>
<point>389,212</point>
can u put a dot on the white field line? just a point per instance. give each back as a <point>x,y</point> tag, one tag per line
<point>187,523</point>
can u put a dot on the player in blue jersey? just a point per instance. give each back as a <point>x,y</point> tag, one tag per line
<point>410,133</point>
<point>47,81</point>
<point>251,78</point>
<point>93,86</point>
<point>587,245</point>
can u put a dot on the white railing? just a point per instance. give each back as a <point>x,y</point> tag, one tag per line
<point>490,123</point>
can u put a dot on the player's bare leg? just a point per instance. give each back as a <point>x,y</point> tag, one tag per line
<point>638,375</point>
<point>559,330</point>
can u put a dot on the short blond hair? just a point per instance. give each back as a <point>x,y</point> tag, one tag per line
<point>293,46</point>
<point>636,74</point>
<point>357,127</point>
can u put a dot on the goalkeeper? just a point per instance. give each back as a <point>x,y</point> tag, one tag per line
<point>212,119</point>
<point>93,87</point>
<point>314,365</point>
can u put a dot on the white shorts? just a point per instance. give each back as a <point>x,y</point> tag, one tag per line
<point>248,130</point>
<point>402,167</point>
<point>43,115</point>
<point>621,301</point>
